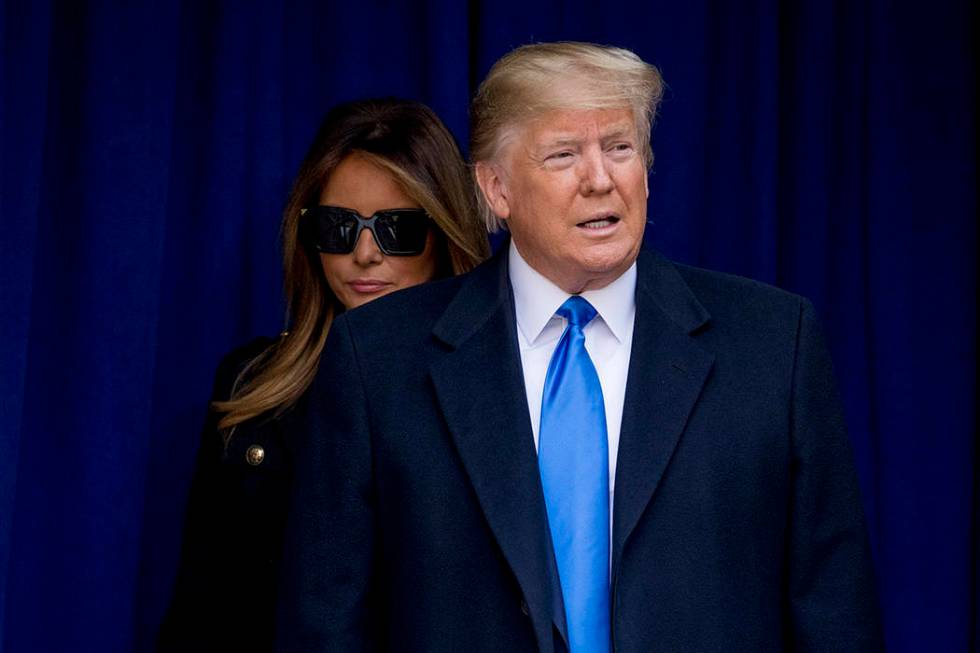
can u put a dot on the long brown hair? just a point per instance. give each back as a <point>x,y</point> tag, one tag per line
<point>408,140</point>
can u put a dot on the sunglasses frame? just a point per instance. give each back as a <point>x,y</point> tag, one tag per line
<point>362,224</point>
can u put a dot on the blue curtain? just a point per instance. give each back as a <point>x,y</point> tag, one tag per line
<point>826,147</point>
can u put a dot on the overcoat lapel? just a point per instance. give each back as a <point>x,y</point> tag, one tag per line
<point>480,388</point>
<point>666,373</point>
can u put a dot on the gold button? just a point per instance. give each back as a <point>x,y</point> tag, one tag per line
<point>254,455</point>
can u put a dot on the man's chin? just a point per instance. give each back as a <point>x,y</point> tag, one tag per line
<point>609,258</point>
<point>594,275</point>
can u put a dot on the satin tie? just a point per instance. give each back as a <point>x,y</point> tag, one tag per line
<point>573,457</point>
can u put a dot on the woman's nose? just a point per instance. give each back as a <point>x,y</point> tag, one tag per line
<point>366,251</point>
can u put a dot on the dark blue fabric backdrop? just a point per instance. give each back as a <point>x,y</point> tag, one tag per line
<point>826,147</point>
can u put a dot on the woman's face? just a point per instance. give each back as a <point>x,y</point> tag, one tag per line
<point>367,273</point>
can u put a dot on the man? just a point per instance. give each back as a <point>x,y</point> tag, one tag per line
<point>580,445</point>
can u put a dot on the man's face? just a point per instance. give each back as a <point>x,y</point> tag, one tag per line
<point>572,186</point>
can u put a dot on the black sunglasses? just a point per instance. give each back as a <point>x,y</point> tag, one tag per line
<point>398,232</point>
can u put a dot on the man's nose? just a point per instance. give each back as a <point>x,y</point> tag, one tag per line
<point>595,175</point>
<point>366,251</point>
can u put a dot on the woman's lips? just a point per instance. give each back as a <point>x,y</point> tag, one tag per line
<point>368,286</point>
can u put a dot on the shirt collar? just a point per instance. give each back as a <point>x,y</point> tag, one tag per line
<point>536,298</point>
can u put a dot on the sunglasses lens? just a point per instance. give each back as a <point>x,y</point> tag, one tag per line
<point>403,232</point>
<point>398,232</point>
<point>334,230</point>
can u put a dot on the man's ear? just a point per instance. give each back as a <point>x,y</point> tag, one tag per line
<point>489,177</point>
<point>646,178</point>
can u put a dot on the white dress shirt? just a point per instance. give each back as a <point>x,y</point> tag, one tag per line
<point>608,339</point>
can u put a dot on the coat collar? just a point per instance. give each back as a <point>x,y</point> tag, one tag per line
<point>480,388</point>
<point>666,373</point>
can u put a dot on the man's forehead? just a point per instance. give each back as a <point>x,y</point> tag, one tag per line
<point>575,124</point>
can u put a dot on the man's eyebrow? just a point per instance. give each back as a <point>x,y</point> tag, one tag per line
<point>565,140</point>
<point>617,132</point>
<point>560,140</point>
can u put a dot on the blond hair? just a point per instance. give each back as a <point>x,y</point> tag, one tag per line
<point>407,140</point>
<point>534,79</point>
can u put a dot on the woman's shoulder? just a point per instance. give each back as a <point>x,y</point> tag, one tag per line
<point>217,450</point>
<point>258,444</point>
<point>235,361</point>
<point>238,462</point>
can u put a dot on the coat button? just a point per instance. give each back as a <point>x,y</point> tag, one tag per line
<point>254,455</point>
<point>524,608</point>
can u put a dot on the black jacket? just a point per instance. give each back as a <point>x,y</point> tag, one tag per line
<point>225,594</point>
<point>418,520</point>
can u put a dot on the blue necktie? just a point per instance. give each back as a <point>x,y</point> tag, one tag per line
<point>574,462</point>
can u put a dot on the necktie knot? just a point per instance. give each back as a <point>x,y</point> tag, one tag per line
<point>577,310</point>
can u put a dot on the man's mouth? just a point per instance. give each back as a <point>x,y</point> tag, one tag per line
<point>599,222</point>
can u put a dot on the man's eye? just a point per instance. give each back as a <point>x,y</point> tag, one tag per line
<point>622,147</point>
<point>560,155</point>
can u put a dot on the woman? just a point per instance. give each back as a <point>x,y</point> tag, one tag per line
<point>382,202</point>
